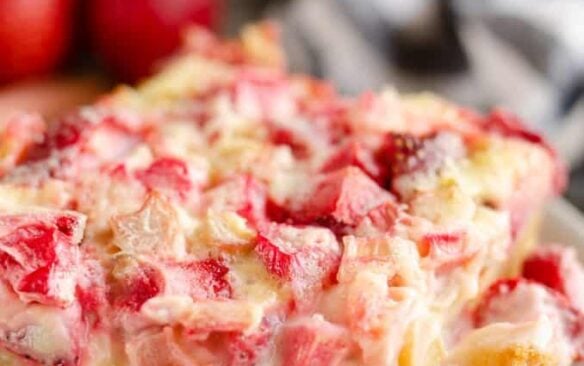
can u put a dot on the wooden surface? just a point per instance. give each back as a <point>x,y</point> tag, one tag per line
<point>50,97</point>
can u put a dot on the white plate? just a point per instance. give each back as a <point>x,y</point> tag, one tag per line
<point>563,223</point>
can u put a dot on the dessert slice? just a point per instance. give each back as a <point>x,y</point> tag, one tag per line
<point>227,213</point>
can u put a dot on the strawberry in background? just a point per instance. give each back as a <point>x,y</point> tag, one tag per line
<point>131,36</point>
<point>34,36</point>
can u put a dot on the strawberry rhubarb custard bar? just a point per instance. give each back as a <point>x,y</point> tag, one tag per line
<point>227,213</point>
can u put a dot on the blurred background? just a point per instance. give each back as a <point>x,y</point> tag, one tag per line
<point>525,55</point>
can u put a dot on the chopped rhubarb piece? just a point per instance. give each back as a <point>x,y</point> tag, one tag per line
<point>306,257</point>
<point>68,134</point>
<point>277,261</point>
<point>43,335</point>
<point>18,134</point>
<point>242,194</point>
<point>354,154</point>
<point>202,317</point>
<point>250,349</point>
<point>167,175</point>
<point>313,341</point>
<point>407,154</point>
<point>40,257</point>
<point>299,145</point>
<point>262,95</point>
<point>445,250</point>
<point>204,279</point>
<point>91,291</point>
<point>372,253</point>
<point>342,198</point>
<point>557,268</point>
<point>382,218</point>
<point>154,229</point>
<point>156,348</point>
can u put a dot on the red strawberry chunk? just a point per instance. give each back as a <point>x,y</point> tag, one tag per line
<point>557,268</point>
<point>167,175</point>
<point>313,341</point>
<point>406,154</point>
<point>357,155</point>
<point>39,256</point>
<point>307,258</point>
<point>342,198</point>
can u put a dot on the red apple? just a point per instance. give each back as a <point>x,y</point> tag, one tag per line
<point>34,36</point>
<point>131,36</point>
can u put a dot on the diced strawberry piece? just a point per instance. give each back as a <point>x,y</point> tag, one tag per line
<point>444,250</point>
<point>510,125</point>
<point>357,155</point>
<point>342,198</point>
<point>557,268</point>
<point>401,153</point>
<point>405,153</point>
<point>313,341</point>
<point>39,257</point>
<point>307,258</point>
<point>167,174</point>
